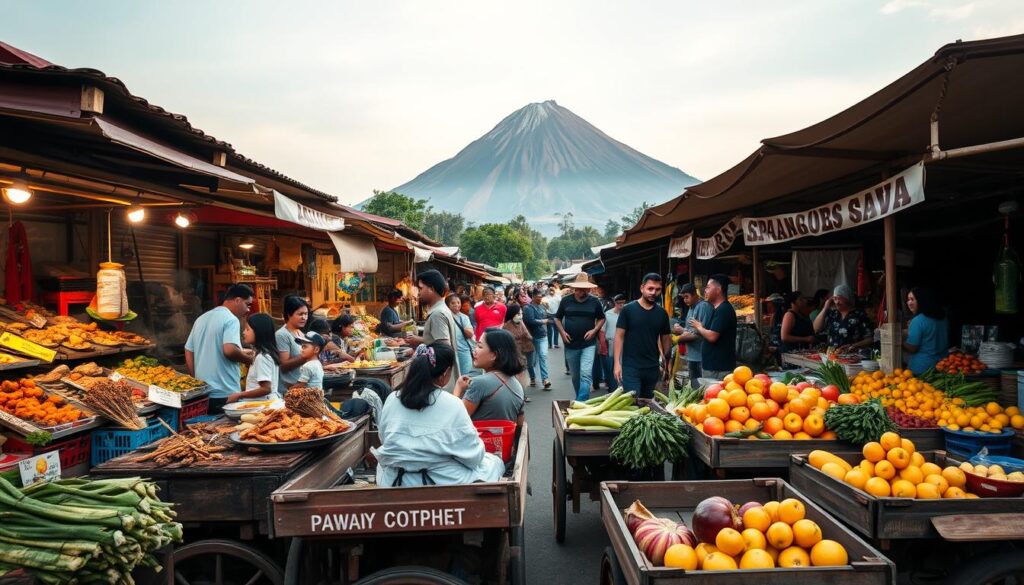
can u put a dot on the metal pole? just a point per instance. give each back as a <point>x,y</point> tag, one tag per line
<point>757,289</point>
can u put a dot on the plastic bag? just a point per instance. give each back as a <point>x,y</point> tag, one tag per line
<point>1009,464</point>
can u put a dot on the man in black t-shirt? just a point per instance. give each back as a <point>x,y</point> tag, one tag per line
<point>579,320</point>
<point>642,341</point>
<point>718,352</point>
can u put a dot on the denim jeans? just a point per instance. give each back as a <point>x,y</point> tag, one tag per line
<point>552,333</point>
<point>643,381</point>
<point>604,370</point>
<point>539,356</point>
<point>581,367</point>
<point>695,373</point>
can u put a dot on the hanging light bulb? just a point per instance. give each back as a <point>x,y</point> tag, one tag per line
<point>247,244</point>
<point>18,192</point>
<point>136,213</point>
<point>182,220</point>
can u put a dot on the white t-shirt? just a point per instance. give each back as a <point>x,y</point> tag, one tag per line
<point>311,374</point>
<point>551,303</point>
<point>263,369</point>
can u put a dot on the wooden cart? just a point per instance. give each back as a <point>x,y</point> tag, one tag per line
<point>623,563</point>
<point>972,541</point>
<point>586,452</point>
<point>225,508</point>
<point>393,377</point>
<point>340,527</point>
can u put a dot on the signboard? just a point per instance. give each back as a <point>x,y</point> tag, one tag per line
<point>163,397</point>
<point>681,247</point>
<point>299,214</point>
<point>708,248</point>
<point>430,517</point>
<point>510,268</point>
<point>26,347</point>
<point>44,467</point>
<point>882,200</point>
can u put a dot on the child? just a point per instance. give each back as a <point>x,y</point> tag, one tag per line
<point>311,373</point>
<point>262,379</point>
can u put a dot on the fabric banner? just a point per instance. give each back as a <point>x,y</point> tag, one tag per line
<point>681,247</point>
<point>299,214</point>
<point>884,199</point>
<point>817,269</point>
<point>708,248</point>
<point>355,254</point>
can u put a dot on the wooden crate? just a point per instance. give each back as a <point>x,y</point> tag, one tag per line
<point>888,518</point>
<point>676,500</point>
<point>731,453</point>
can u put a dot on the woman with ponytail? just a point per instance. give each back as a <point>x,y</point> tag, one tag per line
<point>426,434</point>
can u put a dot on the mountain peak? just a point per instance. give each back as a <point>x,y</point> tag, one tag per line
<point>542,161</point>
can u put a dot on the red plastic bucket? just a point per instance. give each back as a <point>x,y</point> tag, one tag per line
<point>497,435</point>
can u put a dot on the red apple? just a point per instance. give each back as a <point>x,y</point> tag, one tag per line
<point>803,385</point>
<point>712,391</point>
<point>830,393</point>
<point>764,378</point>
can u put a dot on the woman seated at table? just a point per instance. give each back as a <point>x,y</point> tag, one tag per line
<point>495,394</point>
<point>426,434</point>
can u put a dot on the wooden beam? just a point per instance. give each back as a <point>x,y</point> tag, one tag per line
<point>892,332</point>
<point>757,288</point>
<point>220,158</point>
<point>92,99</point>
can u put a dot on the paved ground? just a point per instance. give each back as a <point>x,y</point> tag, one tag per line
<point>577,560</point>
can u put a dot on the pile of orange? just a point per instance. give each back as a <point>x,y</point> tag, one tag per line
<point>747,402</point>
<point>776,534</point>
<point>910,395</point>
<point>891,467</point>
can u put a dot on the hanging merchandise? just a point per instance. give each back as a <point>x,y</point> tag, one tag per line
<point>1006,275</point>
<point>111,291</point>
<point>350,282</point>
<point>19,265</point>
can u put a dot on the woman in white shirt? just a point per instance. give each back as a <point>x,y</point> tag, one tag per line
<point>262,379</point>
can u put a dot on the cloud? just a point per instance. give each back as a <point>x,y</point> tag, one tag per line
<point>952,13</point>
<point>894,6</point>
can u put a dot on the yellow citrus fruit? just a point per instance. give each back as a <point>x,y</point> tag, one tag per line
<point>732,426</point>
<point>856,477</point>
<point>912,473</point>
<point>742,375</point>
<point>780,535</point>
<point>772,508</point>
<point>885,470</point>
<point>873,452</point>
<point>899,457</point>
<point>737,398</point>
<point>757,518</point>
<point>794,556</point>
<point>867,467</point>
<point>754,538</point>
<point>954,492</point>
<point>834,469</point>
<point>877,486</point>
<point>782,435</point>
<point>778,392</point>
<point>791,510</point>
<point>938,481</point>
<point>681,556</point>
<point>890,441</point>
<point>954,477</point>
<point>704,549</point>
<point>718,408</point>
<point>719,561</point>
<point>828,553</point>
<point>806,533</point>
<point>928,491</point>
<point>902,488</point>
<point>757,559</point>
<point>730,541</point>
<point>917,459</point>
<point>908,446</point>
<point>930,468</point>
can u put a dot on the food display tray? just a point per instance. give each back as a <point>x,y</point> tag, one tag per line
<point>146,408</point>
<point>295,445</point>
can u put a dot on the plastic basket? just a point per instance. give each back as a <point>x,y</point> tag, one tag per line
<point>498,436</point>
<point>191,410</point>
<point>73,450</point>
<point>966,444</point>
<point>202,418</point>
<point>110,443</point>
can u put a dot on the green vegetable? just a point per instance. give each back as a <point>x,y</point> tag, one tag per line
<point>38,438</point>
<point>859,423</point>
<point>649,439</point>
<point>679,397</point>
<point>792,378</point>
<point>957,386</point>
<point>832,373</point>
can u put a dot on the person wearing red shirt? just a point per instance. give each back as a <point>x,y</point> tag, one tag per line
<point>489,313</point>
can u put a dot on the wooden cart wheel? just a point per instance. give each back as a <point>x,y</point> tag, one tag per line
<point>558,490</point>
<point>410,576</point>
<point>224,562</point>
<point>1004,568</point>
<point>611,572</point>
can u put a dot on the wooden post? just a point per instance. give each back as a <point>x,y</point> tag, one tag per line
<point>891,333</point>
<point>757,289</point>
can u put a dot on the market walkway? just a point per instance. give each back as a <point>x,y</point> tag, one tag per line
<point>578,559</point>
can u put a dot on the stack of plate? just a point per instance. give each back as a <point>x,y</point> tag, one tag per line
<point>869,365</point>
<point>996,355</point>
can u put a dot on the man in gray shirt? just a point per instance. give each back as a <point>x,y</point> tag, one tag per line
<point>700,310</point>
<point>440,325</point>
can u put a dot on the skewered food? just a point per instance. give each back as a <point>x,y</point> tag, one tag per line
<point>115,401</point>
<point>308,402</point>
<point>281,426</point>
<point>183,449</point>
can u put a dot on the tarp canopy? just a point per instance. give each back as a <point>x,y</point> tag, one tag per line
<point>355,254</point>
<point>976,88</point>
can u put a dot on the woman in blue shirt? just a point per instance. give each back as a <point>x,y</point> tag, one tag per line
<point>927,339</point>
<point>463,335</point>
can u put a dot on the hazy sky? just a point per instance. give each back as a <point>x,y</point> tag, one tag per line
<point>352,96</point>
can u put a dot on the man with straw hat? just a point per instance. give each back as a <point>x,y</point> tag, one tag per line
<point>579,320</point>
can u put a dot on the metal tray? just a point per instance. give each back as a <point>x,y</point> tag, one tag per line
<point>185,396</point>
<point>146,408</point>
<point>295,445</point>
<point>21,363</point>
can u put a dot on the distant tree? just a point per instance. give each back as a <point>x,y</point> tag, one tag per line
<point>411,212</point>
<point>575,244</point>
<point>444,226</point>
<point>492,243</point>
<point>629,220</point>
<point>612,229</point>
<point>538,266</point>
<point>566,224</point>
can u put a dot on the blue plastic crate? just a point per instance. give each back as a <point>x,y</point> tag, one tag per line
<point>110,443</point>
<point>967,444</point>
<point>202,418</point>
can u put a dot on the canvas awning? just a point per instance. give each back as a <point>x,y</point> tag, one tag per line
<point>356,254</point>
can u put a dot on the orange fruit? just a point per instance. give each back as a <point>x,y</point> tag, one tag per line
<point>938,481</point>
<point>719,561</point>
<point>890,441</point>
<point>794,556</point>
<point>908,446</point>
<point>757,518</point>
<point>802,436</point>
<point>877,486</point>
<point>713,426</point>
<point>873,452</point>
<point>930,468</point>
<point>799,406</point>
<point>703,550</point>
<point>730,541</point>
<point>782,435</point>
<point>912,473</point>
<point>828,553</point>
<point>848,399</point>
<point>835,470</point>
<point>791,510</point>
<point>757,559</point>
<point>754,386</point>
<point>742,375</point>
<point>778,392</point>
<point>954,477</point>
<point>954,492</point>
<point>899,457</point>
<point>902,488</point>
<point>856,477</point>
<point>814,425</point>
<point>885,470</point>
<point>780,535</point>
<point>751,424</point>
<point>753,399</point>
<point>793,423</point>
<point>917,459</point>
<point>740,413</point>
<point>760,411</point>
<point>867,467</point>
<point>699,412</point>
<point>772,508</point>
<point>806,533</point>
<point>732,426</point>
<point>928,491</point>
<point>718,408</point>
<point>754,538</point>
<point>737,398</point>
<point>772,425</point>
<point>774,553</point>
<point>829,435</point>
<point>681,556</point>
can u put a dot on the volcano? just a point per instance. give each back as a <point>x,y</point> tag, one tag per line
<point>543,161</point>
